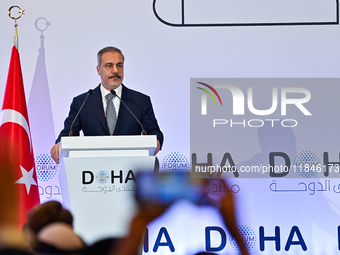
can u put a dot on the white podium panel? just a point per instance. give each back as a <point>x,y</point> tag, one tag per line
<point>101,197</point>
<point>97,177</point>
<point>127,145</point>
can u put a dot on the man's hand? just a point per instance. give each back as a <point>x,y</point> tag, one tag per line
<point>158,148</point>
<point>55,153</point>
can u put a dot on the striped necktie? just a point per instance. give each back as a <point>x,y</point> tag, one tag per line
<point>111,117</point>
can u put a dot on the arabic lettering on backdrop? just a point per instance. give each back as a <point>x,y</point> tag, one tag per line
<point>221,187</point>
<point>311,187</point>
<point>107,189</point>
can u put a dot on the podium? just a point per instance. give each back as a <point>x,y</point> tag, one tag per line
<point>97,180</point>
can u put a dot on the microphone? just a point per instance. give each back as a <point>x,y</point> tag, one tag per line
<point>81,107</point>
<point>115,94</point>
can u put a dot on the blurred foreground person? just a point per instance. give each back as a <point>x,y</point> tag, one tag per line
<point>49,230</point>
<point>44,214</point>
<point>131,245</point>
<point>11,241</point>
<point>102,247</point>
<point>58,238</point>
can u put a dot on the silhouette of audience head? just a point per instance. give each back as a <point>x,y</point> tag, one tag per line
<point>49,230</point>
<point>103,246</point>
<point>58,238</point>
<point>44,214</point>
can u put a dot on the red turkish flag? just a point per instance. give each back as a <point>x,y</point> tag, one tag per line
<point>15,140</point>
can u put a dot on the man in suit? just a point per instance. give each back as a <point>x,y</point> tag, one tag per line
<point>92,118</point>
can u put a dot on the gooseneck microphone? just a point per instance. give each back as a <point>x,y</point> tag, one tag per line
<point>81,107</point>
<point>115,94</point>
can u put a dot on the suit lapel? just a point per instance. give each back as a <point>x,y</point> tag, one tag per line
<point>123,112</point>
<point>97,106</point>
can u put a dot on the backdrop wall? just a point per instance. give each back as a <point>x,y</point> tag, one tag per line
<point>165,43</point>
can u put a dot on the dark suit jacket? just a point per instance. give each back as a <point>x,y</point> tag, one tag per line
<point>93,122</point>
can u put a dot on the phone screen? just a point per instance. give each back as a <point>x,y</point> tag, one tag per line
<point>166,188</point>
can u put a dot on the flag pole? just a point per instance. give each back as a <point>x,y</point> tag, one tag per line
<point>16,153</point>
<point>21,12</point>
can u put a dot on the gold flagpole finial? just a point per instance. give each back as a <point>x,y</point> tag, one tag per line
<point>21,12</point>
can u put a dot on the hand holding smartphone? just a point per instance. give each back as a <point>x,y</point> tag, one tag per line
<point>167,188</point>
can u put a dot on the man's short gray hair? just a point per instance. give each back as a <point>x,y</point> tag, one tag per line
<point>107,49</point>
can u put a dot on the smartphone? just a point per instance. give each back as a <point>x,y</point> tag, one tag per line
<point>167,188</point>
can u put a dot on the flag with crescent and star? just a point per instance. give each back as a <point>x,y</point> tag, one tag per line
<point>15,140</point>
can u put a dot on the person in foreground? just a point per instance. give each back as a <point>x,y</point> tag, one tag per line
<point>130,245</point>
<point>11,241</point>
<point>103,115</point>
<point>49,230</point>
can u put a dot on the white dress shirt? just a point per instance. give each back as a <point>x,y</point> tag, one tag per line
<point>116,101</point>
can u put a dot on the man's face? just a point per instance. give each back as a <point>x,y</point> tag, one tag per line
<point>111,70</point>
